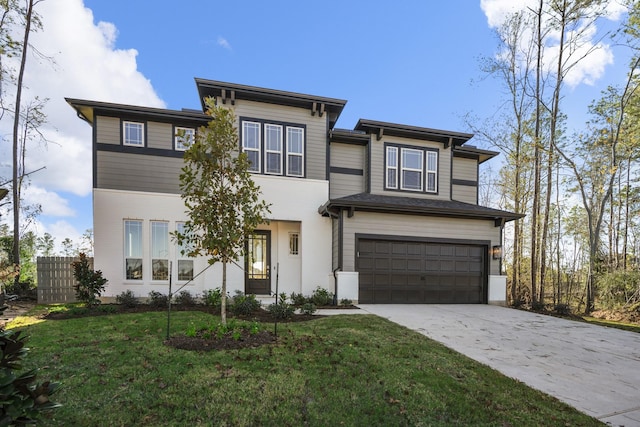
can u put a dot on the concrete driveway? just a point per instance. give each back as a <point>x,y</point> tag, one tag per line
<point>592,368</point>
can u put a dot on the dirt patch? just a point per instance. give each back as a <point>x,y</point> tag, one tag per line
<point>15,309</point>
<point>618,316</point>
<point>227,342</point>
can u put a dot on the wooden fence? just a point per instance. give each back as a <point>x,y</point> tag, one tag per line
<point>55,279</point>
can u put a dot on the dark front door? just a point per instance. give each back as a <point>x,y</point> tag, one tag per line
<point>258,263</point>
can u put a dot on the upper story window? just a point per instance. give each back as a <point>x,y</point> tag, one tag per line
<point>133,133</point>
<point>411,169</point>
<point>184,138</point>
<point>274,148</point>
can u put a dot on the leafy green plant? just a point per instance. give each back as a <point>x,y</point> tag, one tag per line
<point>308,308</point>
<point>619,289</point>
<point>127,299</point>
<point>321,297</point>
<point>185,299</point>
<point>191,330</point>
<point>298,300</point>
<point>212,298</point>
<point>346,302</point>
<point>89,284</point>
<point>243,305</point>
<point>108,309</point>
<point>22,400</point>
<point>157,299</point>
<point>281,309</point>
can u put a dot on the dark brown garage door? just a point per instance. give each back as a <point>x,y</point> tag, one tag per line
<point>405,272</point>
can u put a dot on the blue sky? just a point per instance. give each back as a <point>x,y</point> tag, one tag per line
<point>413,62</point>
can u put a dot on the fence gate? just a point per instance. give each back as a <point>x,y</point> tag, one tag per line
<point>55,279</point>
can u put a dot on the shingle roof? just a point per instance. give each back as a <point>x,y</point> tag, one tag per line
<point>414,205</point>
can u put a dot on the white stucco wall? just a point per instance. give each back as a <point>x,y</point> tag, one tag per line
<point>294,207</point>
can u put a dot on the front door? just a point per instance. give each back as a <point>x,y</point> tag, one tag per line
<point>258,263</point>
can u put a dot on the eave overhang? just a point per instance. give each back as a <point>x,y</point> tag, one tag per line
<point>474,153</point>
<point>380,129</point>
<point>416,206</point>
<point>87,110</point>
<point>349,136</point>
<point>230,92</point>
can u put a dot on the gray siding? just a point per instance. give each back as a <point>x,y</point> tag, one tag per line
<point>108,130</point>
<point>415,226</point>
<point>159,135</point>
<point>335,243</point>
<point>347,156</point>
<point>341,185</point>
<point>465,193</point>
<point>377,167</point>
<point>134,172</point>
<point>466,169</point>
<point>316,130</point>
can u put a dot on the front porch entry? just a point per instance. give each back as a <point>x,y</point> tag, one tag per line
<point>258,263</point>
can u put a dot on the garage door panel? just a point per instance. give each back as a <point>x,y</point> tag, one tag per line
<point>420,272</point>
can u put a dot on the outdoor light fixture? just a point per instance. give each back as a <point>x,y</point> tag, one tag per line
<point>496,252</point>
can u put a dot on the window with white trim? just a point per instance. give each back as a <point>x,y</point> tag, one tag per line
<point>392,167</point>
<point>133,133</point>
<point>295,151</point>
<point>278,146</point>
<point>411,169</point>
<point>294,243</point>
<point>184,138</point>
<point>432,171</point>
<point>159,250</point>
<point>133,249</point>
<point>251,144</point>
<point>273,149</point>
<point>185,264</point>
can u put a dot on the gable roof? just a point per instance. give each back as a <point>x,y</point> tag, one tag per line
<point>411,205</point>
<point>230,92</point>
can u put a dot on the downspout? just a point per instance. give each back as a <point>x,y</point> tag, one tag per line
<point>340,217</point>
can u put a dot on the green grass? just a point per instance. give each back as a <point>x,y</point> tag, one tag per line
<point>357,370</point>
<point>632,327</point>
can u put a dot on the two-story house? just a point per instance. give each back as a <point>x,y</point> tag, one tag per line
<point>384,213</point>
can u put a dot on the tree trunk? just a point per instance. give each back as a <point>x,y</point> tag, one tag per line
<point>223,298</point>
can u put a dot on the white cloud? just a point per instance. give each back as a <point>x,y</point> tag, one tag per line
<point>224,43</point>
<point>86,64</point>
<point>52,204</point>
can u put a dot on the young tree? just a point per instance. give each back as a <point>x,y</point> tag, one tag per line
<point>46,244</point>
<point>222,200</point>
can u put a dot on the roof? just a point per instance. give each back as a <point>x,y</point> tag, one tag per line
<point>86,110</point>
<point>232,92</point>
<point>349,136</point>
<point>414,205</point>
<point>474,152</point>
<point>415,132</point>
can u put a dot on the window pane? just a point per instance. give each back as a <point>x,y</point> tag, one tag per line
<point>392,178</point>
<point>133,133</point>
<point>133,239</point>
<point>294,166</point>
<point>411,159</point>
<point>159,239</point>
<point>411,180</point>
<point>431,181</point>
<point>293,243</point>
<point>254,159</point>
<point>184,138</point>
<point>295,140</point>
<point>160,269</point>
<point>251,135</point>
<point>274,160</point>
<point>185,269</point>
<point>273,137</point>
<point>133,269</point>
<point>392,156</point>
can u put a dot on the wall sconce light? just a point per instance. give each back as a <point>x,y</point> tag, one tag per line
<point>496,252</point>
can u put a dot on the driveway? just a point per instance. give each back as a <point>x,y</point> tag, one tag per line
<point>592,368</point>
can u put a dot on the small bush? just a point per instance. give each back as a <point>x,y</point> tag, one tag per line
<point>23,401</point>
<point>107,309</point>
<point>537,306</point>
<point>346,302</point>
<point>243,305</point>
<point>298,300</point>
<point>281,309</point>
<point>322,297</point>
<point>212,298</point>
<point>158,300</point>
<point>90,284</point>
<point>308,308</point>
<point>127,299</point>
<point>562,309</point>
<point>184,298</point>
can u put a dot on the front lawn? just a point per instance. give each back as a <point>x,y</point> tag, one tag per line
<point>357,370</point>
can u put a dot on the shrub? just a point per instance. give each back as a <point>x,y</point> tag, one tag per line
<point>158,300</point>
<point>212,298</point>
<point>619,289</point>
<point>298,300</point>
<point>322,297</point>
<point>346,302</point>
<point>26,289</point>
<point>562,309</point>
<point>89,284</point>
<point>23,401</point>
<point>281,309</point>
<point>185,298</point>
<point>308,308</point>
<point>127,299</point>
<point>243,305</point>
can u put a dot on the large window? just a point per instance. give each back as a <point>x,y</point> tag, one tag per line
<point>133,249</point>
<point>184,138</point>
<point>251,144</point>
<point>265,144</point>
<point>411,169</point>
<point>185,264</point>
<point>159,250</point>
<point>133,133</point>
